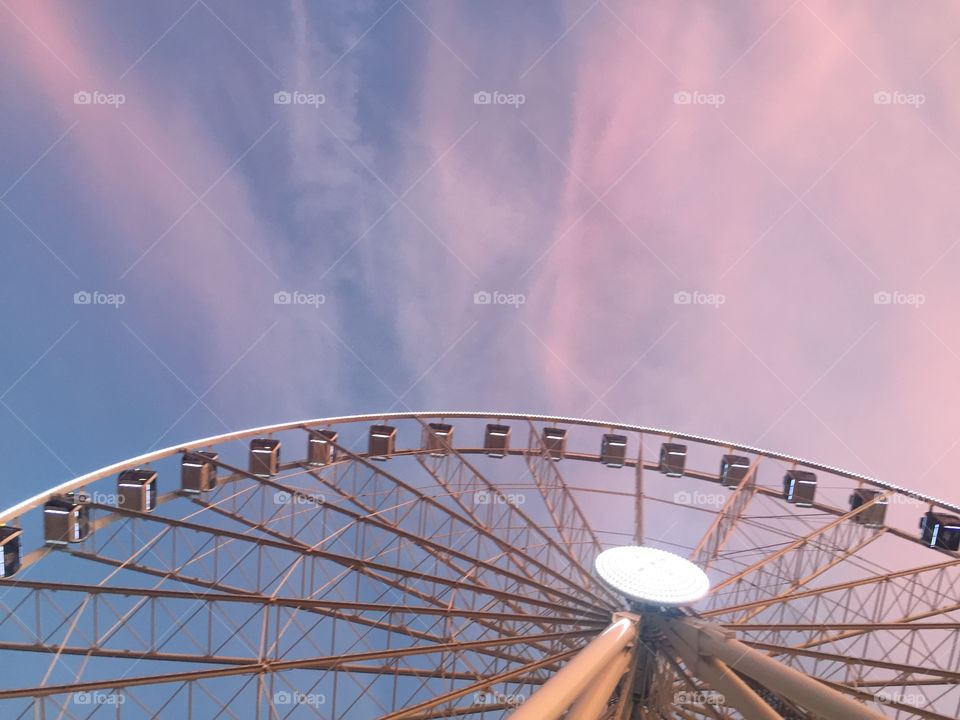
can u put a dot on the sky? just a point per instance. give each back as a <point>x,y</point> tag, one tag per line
<point>726,218</point>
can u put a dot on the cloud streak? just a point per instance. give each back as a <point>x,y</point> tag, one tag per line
<point>792,199</point>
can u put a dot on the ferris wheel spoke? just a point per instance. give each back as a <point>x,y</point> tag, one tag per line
<point>426,676</point>
<point>846,672</point>
<point>535,675</point>
<point>859,626</point>
<point>912,711</point>
<point>725,523</point>
<point>122,654</point>
<point>302,603</point>
<point>423,596</point>
<point>836,659</point>
<point>515,540</point>
<point>460,477</point>
<point>474,556</point>
<point>639,497</point>
<point>835,670</point>
<point>895,681</point>
<point>512,551</point>
<point>921,650</point>
<point>688,682</point>
<point>335,611</point>
<point>912,621</point>
<point>479,619</point>
<point>936,577</point>
<point>468,711</point>
<point>820,564</point>
<point>403,628</point>
<point>426,597</point>
<point>460,571</point>
<point>571,524</point>
<point>415,712</point>
<point>333,662</point>
<point>883,611</point>
<point>374,519</point>
<point>782,572</point>
<point>902,602</point>
<point>376,570</point>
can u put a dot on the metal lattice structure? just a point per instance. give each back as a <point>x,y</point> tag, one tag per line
<point>428,565</point>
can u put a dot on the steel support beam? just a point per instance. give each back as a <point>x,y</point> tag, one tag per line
<point>736,693</point>
<point>595,698</point>
<point>699,640</point>
<point>414,713</point>
<point>723,525</point>
<point>556,695</point>
<point>638,527</point>
<point>317,663</point>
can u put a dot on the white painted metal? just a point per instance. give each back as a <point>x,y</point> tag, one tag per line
<point>705,640</point>
<point>557,694</point>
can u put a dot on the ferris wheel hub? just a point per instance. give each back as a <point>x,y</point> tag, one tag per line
<point>650,575</point>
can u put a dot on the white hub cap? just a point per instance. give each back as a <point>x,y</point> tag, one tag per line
<point>651,575</point>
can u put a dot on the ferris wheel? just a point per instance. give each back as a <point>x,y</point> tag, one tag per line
<point>466,564</point>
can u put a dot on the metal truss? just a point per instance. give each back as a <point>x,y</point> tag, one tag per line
<point>432,581</point>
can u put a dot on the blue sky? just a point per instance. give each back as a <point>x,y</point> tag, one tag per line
<point>602,196</point>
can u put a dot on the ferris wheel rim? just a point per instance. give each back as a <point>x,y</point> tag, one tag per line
<point>733,616</point>
<point>14,511</point>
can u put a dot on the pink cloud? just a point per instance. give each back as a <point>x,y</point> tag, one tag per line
<point>214,277</point>
<point>702,211</point>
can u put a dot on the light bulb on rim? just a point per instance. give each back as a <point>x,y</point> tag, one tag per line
<point>651,575</point>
